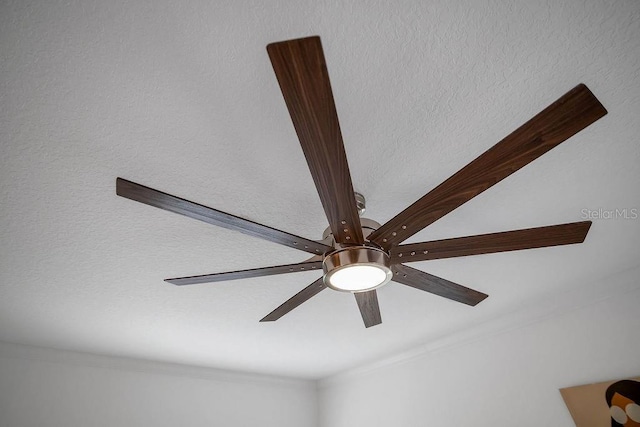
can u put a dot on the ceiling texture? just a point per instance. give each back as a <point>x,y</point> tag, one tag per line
<point>180,96</point>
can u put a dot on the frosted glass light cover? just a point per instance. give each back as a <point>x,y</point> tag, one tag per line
<point>358,277</point>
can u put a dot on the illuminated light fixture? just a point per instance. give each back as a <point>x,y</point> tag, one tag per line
<point>356,269</point>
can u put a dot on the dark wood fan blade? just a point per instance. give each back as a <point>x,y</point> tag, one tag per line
<point>302,74</point>
<point>165,201</point>
<point>245,274</point>
<point>573,112</point>
<point>540,237</point>
<point>302,296</point>
<point>435,285</point>
<point>369,309</point>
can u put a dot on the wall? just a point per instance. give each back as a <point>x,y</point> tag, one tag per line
<point>42,387</point>
<point>503,373</point>
<point>501,378</point>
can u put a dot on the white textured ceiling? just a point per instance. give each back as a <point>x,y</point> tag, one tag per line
<point>180,96</point>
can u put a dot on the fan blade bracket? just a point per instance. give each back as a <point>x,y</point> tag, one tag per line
<point>302,74</point>
<point>567,116</point>
<point>530,238</point>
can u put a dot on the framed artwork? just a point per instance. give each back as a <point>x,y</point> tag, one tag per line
<point>611,403</point>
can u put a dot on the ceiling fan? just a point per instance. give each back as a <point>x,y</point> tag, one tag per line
<point>359,255</point>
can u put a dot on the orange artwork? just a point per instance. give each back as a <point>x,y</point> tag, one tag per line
<point>611,403</point>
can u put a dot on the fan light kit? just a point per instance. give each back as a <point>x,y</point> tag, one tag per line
<point>358,255</point>
<point>356,269</point>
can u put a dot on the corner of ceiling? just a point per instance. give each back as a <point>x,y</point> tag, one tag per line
<point>536,311</point>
